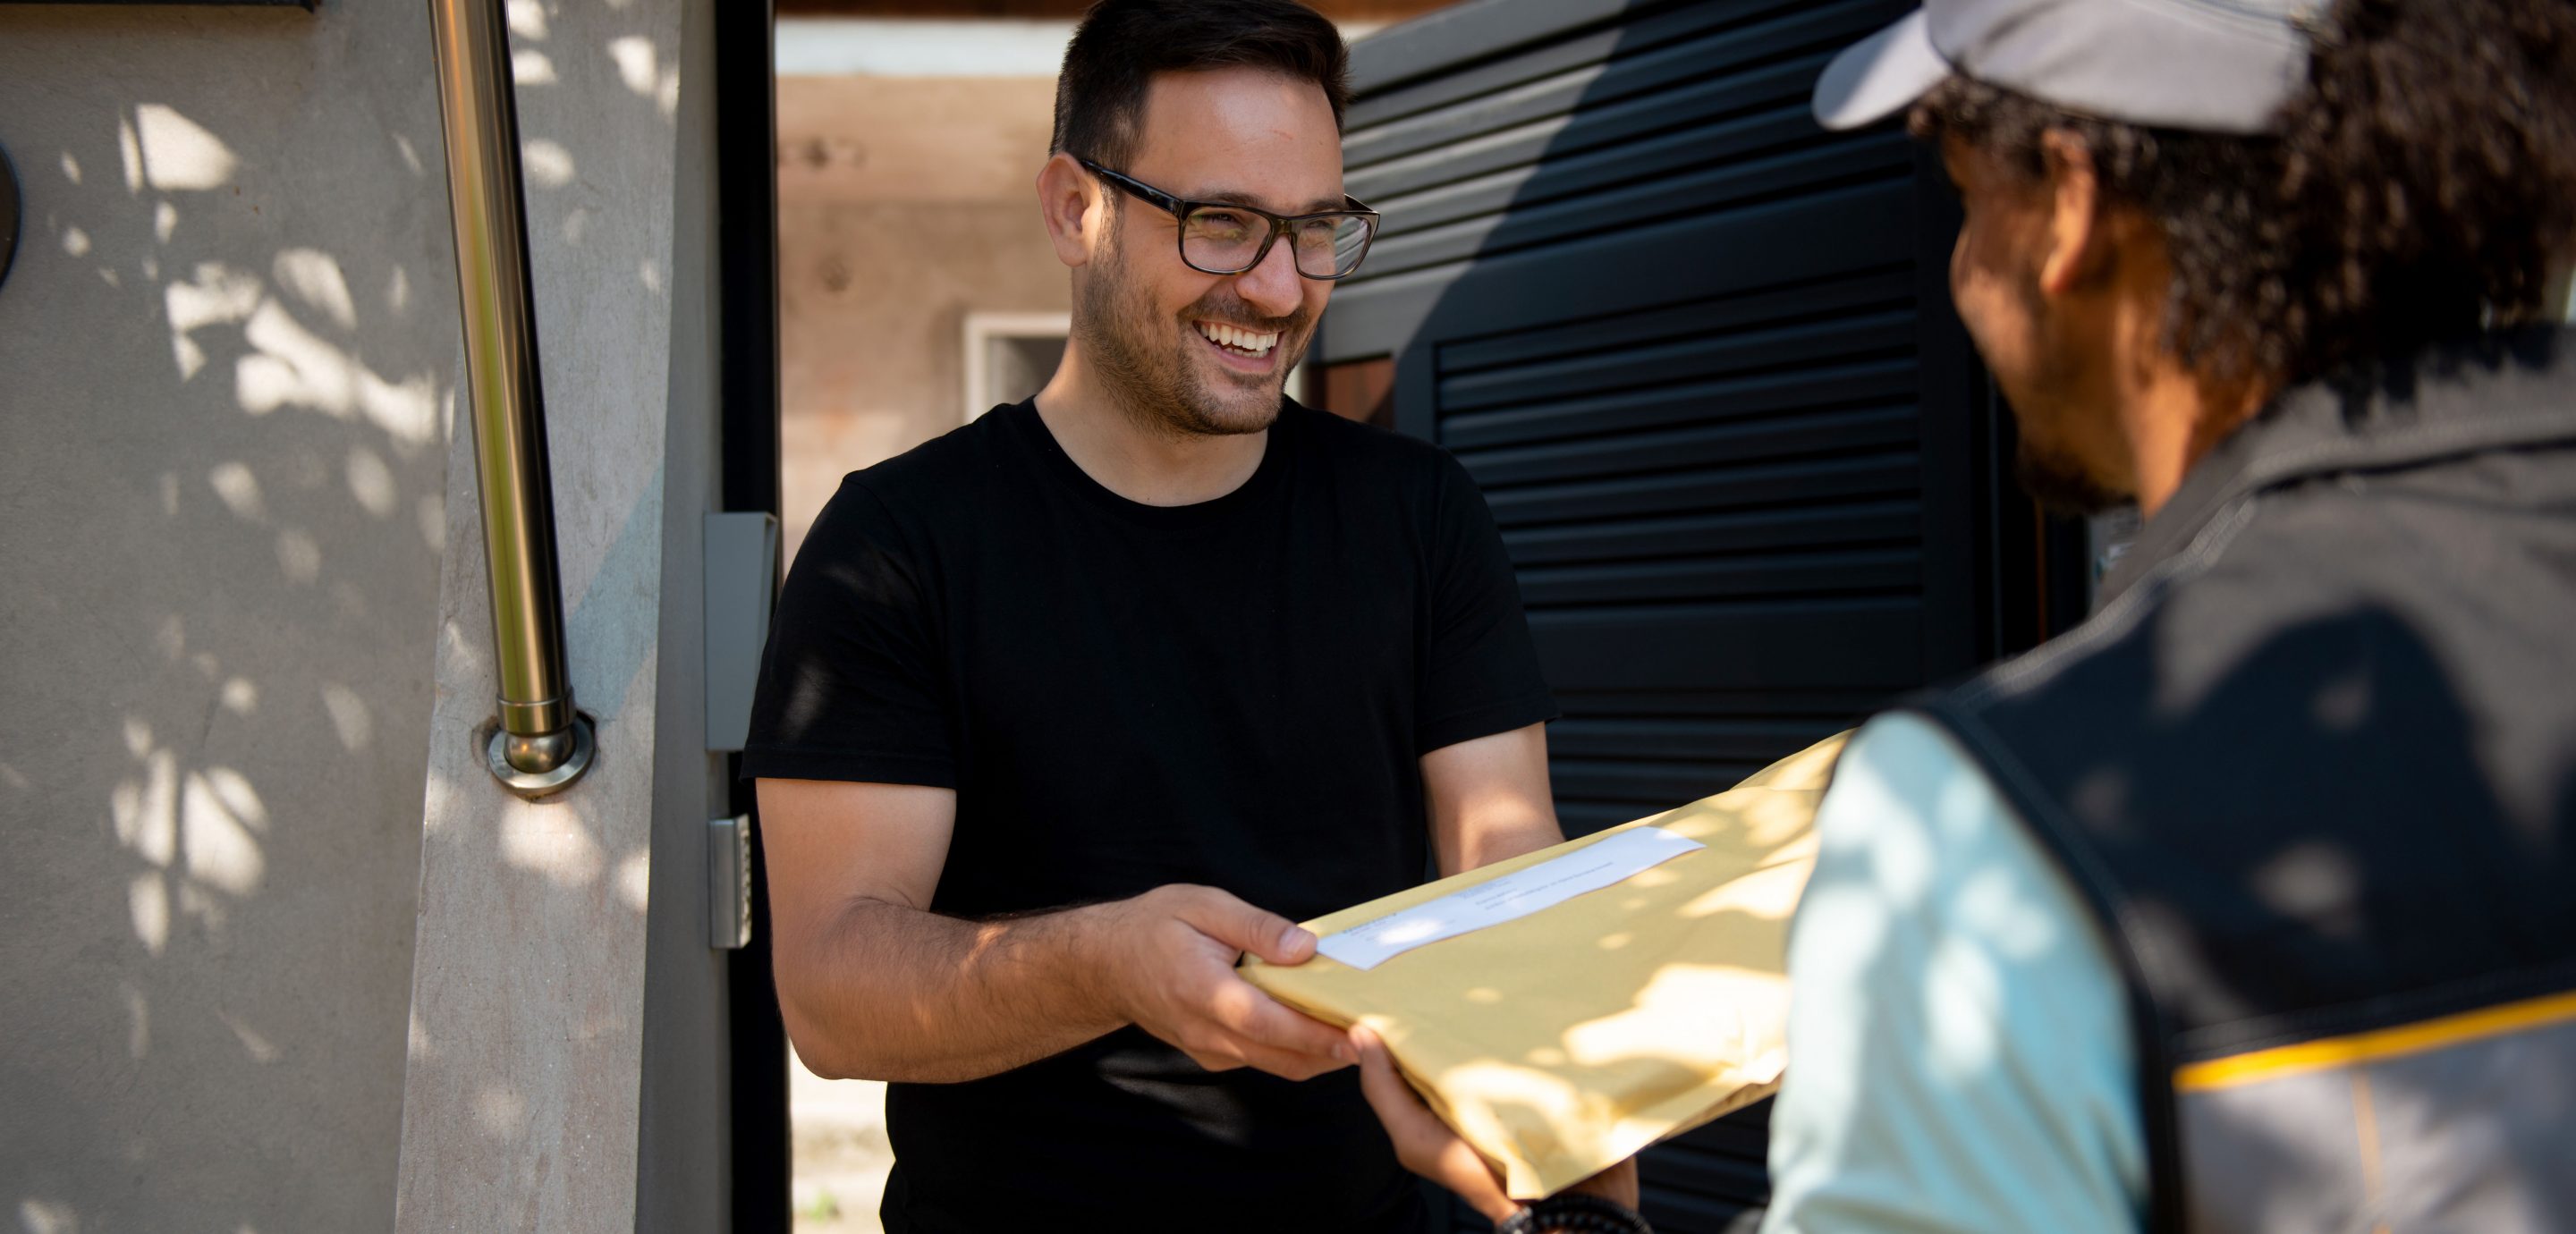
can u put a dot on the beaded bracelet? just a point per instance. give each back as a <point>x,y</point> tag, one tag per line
<point>1575,1214</point>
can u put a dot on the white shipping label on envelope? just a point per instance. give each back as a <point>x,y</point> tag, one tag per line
<point>1508,898</point>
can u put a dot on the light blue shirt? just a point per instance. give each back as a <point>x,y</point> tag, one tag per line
<point>1959,1050</point>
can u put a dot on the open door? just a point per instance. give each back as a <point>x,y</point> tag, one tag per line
<point>747,259</point>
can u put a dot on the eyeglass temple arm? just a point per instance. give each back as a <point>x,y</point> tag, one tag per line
<point>1135,187</point>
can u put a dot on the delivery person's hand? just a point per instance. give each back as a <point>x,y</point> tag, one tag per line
<point>1427,1146</point>
<point>1169,958</point>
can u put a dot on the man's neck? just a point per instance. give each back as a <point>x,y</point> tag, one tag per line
<point>2176,419</point>
<point>2170,414</point>
<point>1135,460</point>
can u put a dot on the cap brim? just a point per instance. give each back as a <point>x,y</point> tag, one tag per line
<point>1880,75</point>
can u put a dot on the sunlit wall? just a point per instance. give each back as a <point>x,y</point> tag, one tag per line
<point>227,354</point>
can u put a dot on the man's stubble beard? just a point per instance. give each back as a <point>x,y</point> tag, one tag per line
<point>1144,364</point>
<point>2053,476</point>
<point>2059,484</point>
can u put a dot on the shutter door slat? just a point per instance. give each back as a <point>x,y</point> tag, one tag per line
<point>1702,354</point>
<point>1761,315</point>
<point>1806,36</point>
<point>1791,529</point>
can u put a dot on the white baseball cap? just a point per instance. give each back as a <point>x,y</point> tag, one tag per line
<point>2215,66</point>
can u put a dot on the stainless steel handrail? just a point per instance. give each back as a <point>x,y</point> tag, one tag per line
<point>541,744</point>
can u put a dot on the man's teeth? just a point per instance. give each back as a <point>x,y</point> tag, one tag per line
<point>1246,341</point>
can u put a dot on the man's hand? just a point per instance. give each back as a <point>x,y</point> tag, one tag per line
<point>1427,1146</point>
<point>874,985</point>
<point>1168,957</point>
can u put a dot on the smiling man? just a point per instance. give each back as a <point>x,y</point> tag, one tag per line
<point>1065,711</point>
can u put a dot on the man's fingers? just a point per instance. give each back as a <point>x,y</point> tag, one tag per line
<point>1286,1064</point>
<point>1295,944</point>
<point>1409,1123</point>
<point>1462,1171</point>
<point>1259,1018</point>
<point>1211,1061</point>
<point>1617,1184</point>
<point>1218,1049</point>
<point>1242,927</point>
<point>1423,1143</point>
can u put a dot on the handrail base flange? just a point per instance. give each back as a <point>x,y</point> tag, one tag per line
<point>555,779</point>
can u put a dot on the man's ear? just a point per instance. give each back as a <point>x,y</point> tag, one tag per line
<point>1075,208</point>
<point>2077,242</point>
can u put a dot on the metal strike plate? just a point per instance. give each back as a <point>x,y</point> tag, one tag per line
<point>9,213</point>
<point>741,578</point>
<point>729,883</point>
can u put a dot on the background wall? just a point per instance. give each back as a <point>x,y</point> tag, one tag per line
<point>227,355</point>
<point>904,203</point>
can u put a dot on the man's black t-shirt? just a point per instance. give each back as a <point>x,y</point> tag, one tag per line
<point>1233,693</point>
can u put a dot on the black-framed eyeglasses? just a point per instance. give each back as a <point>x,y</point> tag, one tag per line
<point>1224,238</point>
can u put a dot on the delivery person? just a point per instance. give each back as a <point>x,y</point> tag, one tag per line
<point>2247,905</point>
<point>1065,711</point>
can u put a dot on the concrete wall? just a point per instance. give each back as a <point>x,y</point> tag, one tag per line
<point>226,355</point>
<point>566,1065</point>
<point>904,204</point>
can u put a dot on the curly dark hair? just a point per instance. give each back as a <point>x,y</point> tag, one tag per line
<point>2418,192</point>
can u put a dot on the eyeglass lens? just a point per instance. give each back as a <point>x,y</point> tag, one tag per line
<point>1223,241</point>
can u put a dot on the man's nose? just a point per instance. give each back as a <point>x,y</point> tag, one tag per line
<point>1272,286</point>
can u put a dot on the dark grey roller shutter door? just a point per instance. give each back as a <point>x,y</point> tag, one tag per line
<point>1699,356</point>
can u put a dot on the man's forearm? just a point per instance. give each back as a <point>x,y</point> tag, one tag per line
<point>1499,829</point>
<point>1486,847</point>
<point>1488,799</point>
<point>914,996</point>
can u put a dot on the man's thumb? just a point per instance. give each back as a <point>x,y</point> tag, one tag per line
<point>1241,926</point>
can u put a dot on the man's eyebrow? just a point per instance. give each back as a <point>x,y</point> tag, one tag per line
<point>1229,198</point>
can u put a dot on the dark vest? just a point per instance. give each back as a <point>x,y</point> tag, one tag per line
<point>2314,766</point>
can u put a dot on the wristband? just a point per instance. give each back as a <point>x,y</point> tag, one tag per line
<point>1575,1214</point>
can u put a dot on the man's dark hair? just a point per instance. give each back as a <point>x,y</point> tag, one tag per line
<point>1122,44</point>
<point>2418,192</point>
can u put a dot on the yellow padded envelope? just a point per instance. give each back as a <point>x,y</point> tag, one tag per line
<point>1560,1043</point>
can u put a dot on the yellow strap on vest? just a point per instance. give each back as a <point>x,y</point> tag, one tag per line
<point>2256,1066</point>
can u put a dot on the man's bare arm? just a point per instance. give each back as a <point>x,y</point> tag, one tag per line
<point>872,984</point>
<point>1489,800</point>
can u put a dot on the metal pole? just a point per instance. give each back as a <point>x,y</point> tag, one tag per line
<point>541,744</point>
